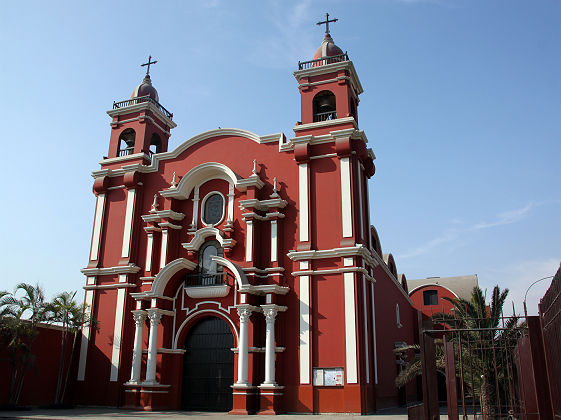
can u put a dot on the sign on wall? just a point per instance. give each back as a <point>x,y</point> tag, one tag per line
<point>329,376</point>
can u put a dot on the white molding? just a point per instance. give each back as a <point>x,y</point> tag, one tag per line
<point>241,279</point>
<point>303,202</point>
<point>365,322</point>
<point>149,251</point>
<point>358,250</point>
<point>168,225</point>
<point>216,291</point>
<point>127,232</point>
<point>162,278</point>
<point>274,239</point>
<point>252,181</point>
<point>263,205</point>
<point>432,285</point>
<point>163,214</point>
<point>201,234</point>
<point>328,155</point>
<point>328,123</point>
<point>333,271</point>
<point>117,334</point>
<point>106,271</point>
<point>360,198</point>
<point>346,198</point>
<point>109,286</point>
<point>123,159</point>
<point>263,289</point>
<point>223,315</point>
<point>98,224</point>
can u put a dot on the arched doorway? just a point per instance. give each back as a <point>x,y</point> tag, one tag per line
<point>208,367</point>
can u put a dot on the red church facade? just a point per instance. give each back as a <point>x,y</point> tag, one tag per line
<point>246,259</point>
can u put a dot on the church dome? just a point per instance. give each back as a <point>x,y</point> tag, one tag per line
<point>145,89</point>
<point>327,48</point>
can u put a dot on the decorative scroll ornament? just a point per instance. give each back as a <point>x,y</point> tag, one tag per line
<point>155,204</point>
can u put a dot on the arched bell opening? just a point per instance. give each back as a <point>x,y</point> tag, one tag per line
<point>208,366</point>
<point>155,145</point>
<point>324,106</point>
<point>126,142</point>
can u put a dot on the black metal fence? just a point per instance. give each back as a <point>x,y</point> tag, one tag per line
<point>208,279</point>
<point>139,100</point>
<point>322,61</point>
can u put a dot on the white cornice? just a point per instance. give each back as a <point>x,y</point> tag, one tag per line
<point>141,107</point>
<point>124,158</point>
<point>269,288</point>
<point>328,123</point>
<point>109,286</point>
<point>161,214</point>
<point>252,181</point>
<point>105,271</point>
<point>332,68</point>
<point>357,250</point>
<point>353,133</point>
<point>263,204</point>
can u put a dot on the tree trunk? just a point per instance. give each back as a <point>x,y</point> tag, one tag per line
<point>69,366</point>
<point>487,408</point>
<point>60,367</point>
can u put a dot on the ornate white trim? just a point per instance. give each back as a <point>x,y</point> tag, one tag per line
<point>106,271</point>
<point>140,107</point>
<point>203,233</point>
<point>216,291</point>
<point>328,123</point>
<point>203,202</point>
<point>332,68</point>
<point>163,214</point>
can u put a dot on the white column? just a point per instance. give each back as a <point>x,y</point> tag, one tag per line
<point>164,251</point>
<point>270,315</point>
<point>244,312</point>
<point>155,315</point>
<point>139,316</point>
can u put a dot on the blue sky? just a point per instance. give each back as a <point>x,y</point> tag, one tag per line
<point>461,106</point>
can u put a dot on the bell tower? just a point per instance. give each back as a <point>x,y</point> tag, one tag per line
<point>329,86</point>
<point>140,126</point>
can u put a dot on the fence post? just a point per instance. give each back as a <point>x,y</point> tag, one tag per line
<point>428,367</point>
<point>451,389</point>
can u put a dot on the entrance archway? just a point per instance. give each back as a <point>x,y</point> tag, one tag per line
<point>208,367</point>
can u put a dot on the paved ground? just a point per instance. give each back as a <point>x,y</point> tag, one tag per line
<point>112,413</point>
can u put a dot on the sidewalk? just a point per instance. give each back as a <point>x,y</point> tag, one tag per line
<point>113,413</point>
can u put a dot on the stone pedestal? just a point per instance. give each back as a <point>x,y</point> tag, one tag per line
<point>244,399</point>
<point>146,397</point>
<point>270,399</point>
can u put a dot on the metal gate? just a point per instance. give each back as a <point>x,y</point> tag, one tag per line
<point>208,367</point>
<point>482,366</point>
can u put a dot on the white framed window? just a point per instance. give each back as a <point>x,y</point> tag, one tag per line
<point>212,208</point>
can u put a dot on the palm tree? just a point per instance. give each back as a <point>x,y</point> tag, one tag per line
<point>72,317</point>
<point>20,317</point>
<point>478,330</point>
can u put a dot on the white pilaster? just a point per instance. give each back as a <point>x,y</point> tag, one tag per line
<point>149,246</point>
<point>274,240</point>
<point>365,322</point>
<point>230,202</point>
<point>98,222</point>
<point>117,332</point>
<point>195,220</point>
<point>346,205</point>
<point>85,337</point>
<point>128,223</point>
<point>139,316</point>
<point>360,198</point>
<point>304,296</point>
<point>164,251</point>
<point>249,241</point>
<point>154,315</point>
<point>303,202</point>
<point>244,312</point>
<point>350,323</point>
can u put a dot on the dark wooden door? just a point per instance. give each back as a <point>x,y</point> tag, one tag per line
<point>208,367</point>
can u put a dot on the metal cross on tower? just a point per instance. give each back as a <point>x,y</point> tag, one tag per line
<point>326,22</point>
<point>148,64</point>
